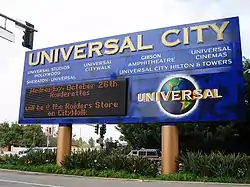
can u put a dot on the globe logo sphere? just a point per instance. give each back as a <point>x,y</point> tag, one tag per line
<point>181,107</point>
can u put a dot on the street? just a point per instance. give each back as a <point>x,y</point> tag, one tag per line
<point>16,179</point>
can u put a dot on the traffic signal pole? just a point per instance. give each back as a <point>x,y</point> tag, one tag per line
<point>48,134</point>
<point>18,23</point>
<point>102,129</point>
<point>28,32</point>
<point>102,132</point>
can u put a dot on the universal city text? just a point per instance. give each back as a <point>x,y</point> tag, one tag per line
<point>112,46</point>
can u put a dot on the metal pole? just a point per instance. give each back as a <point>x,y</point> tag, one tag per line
<point>47,141</point>
<point>18,22</point>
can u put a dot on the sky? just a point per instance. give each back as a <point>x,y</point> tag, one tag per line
<point>61,22</point>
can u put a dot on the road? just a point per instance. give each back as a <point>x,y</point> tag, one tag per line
<point>16,179</point>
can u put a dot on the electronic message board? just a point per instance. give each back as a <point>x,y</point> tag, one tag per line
<point>184,73</point>
<point>100,98</point>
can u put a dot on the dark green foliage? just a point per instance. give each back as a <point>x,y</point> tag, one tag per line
<point>214,167</point>
<point>207,137</point>
<point>141,166</point>
<point>124,150</point>
<point>10,159</point>
<point>141,135</point>
<point>91,142</point>
<point>122,174</point>
<point>100,161</point>
<point>216,164</point>
<point>21,135</point>
<point>32,136</point>
<point>85,160</point>
<point>39,158</point>
<point>89,160</point>
<point>33,158</point>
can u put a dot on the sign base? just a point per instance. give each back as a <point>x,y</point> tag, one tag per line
<point>170,148</point>
<point>64,142</point>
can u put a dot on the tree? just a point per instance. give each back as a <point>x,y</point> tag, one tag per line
<point>79,143</point>
<point>21,135</point>
<point>206,136</point>
<point>141,135</point>
<point>4,136</point>
<point>53,141</point>
<point>106,140</point>
<point>15,134</point>
<point>33,136</point>
<point>91,142</point>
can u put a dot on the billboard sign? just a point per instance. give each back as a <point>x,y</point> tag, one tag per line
<point>185,73</point>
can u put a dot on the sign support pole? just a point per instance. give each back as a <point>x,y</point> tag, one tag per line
<point>170,148</point>
<point>64,142</point>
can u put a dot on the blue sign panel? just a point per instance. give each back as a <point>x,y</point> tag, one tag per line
<point>186,73</point>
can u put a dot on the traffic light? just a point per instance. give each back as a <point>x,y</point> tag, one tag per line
<point>102,130</point>
<point>97,129</point>
<point>28,36</point>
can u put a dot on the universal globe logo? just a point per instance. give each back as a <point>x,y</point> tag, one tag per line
<point>178,95</point>
<point>180,98</point>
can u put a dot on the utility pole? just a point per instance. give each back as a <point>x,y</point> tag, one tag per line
<point>102,130</point>
<point>28,36</point>
<point>48,134</point>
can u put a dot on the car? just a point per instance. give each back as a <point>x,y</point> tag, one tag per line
<point>151,154</point>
